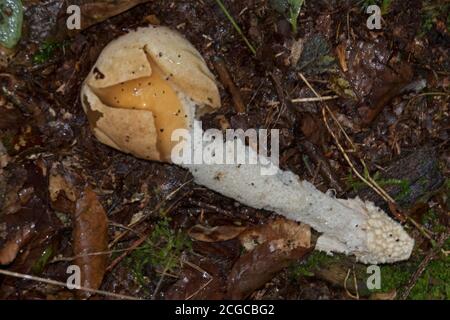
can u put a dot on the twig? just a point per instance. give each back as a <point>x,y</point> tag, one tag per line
<point>356,297</point>
<point>202,272</point>
<point>98,253</point>
<point>160,281</point>
<point>325,98</point>
<point>62,284</point>
<point>135,245</point>
<point>423,265</point>
<point>228,83</point>
<point>369,180</point>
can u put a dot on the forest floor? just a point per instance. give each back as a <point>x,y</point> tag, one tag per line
<point>168,238</point>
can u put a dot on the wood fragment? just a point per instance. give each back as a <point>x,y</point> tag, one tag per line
<point>228,83</point>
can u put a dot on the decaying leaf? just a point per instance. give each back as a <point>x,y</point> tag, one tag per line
<point>215,234</point>
<point>90,235</point>
<point>257,267</point>
<point>342,87</point>
<point>296,51</point>
<point>273,247</point>
<point>9,251</point>
<point>296,235</point>
<point>58,184</point>
<point>315,58</point>
<point>48,19</point>
<point>64,189</point>
<point>97,11</point>
<point>198,282</point>
<point>25,220</point>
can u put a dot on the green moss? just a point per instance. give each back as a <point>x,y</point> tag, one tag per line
<point>160,252</point>
<point>46,51</point>
<point>395,276</point>
<point>315,260</point>
<point>431,221</point>
<point>434,284</point>
<point>404,184</point>
<point>432,13</point>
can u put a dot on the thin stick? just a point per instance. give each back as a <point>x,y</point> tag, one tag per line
<point>62,284</point>
<point>229,84</point>
<point>202,272</point>
<point>369,181</point>
<point>423,265</point>
<point>325,98</point>
<point>345,286</point>
<point>135,245</point>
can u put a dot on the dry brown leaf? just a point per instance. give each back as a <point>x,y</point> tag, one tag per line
<point>273,247</point>
<point>90,235</point>
<point>214,234</point>
<point>257,267</point>
<point>298,234</point>
<point>10,249</point>
<point>296,51</point>
<point>58,184</point>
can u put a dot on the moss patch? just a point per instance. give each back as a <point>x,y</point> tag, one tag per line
<point>160,253</point>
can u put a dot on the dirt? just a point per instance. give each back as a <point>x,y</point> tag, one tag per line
<point>393,88</point>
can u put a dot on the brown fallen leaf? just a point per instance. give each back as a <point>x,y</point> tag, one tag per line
<point>340,52</point>
<point>90,235</point>
<point>58,184</point>
<point>202,282</point>
<point>313,129</point>
<point>214,234</point>
<point>10,249</point>
<point>257,267</point>
<point>299,234</point>
<point>97,11</point>
<point>281,242</point>
<point>93,12</point>
<point>25,219</point>
<point>64,188</point>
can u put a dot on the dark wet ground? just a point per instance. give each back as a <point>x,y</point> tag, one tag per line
<point>393,88</point>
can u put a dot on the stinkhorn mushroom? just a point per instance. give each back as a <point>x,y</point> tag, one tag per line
<point>152,81</point>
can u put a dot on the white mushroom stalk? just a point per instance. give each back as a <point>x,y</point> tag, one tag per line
<point>150,82</point>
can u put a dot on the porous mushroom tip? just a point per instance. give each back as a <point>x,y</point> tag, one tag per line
<point>387,242</point>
